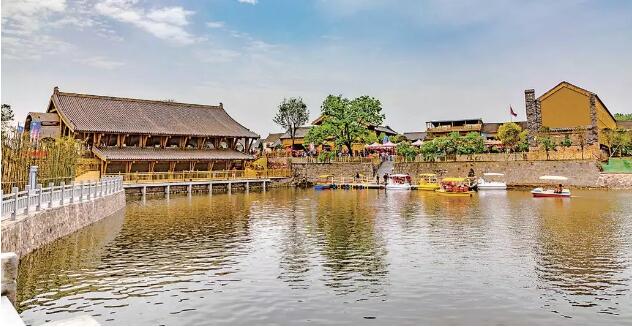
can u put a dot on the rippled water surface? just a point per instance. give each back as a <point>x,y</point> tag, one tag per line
<point>342,257</point>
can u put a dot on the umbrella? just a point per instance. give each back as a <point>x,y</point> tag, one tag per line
<point>389,144</point>
<point>418,143</point>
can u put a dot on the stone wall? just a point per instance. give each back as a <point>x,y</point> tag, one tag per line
<point>584,173</point>
<point>29,232</point>
<point>615,181</point>
<point>311,171</point>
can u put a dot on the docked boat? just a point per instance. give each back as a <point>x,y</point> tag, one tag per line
<point>399,182</point>
<point>557,192</point>
<point>428,182</point>
<point>454,186</point>
<point>324,182</point>
<point>491,181</point>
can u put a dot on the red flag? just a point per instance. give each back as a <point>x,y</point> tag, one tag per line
<point>512,112</point>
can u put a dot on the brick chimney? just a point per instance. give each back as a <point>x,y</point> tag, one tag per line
<point>534,115</point>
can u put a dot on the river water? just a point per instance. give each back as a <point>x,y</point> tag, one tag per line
<point>291,256</point>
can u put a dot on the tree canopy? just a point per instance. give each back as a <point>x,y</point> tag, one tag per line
<point>346,121</point>
<point>623,117</point>
<point>7,118</point>
<point>509,134</point>
<point>292,114</point>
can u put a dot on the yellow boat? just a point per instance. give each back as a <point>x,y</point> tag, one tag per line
<point>454,186</point>
<point>428,182</point>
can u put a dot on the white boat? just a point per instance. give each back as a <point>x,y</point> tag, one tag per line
<point>540,192</point>
<point>399,182</point>
<point>489,181</point>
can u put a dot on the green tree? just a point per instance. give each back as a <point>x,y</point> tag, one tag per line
<point>619,140</point>
<point>292,114</point>
<point>623,117</point>
<point>548,144</point>
<point>345,121</point>
<point>509,134</point>
<point>406,150</point>
<point>566,142</point>
<point>523,144</point>
<point>470,144</point>
<point>397,138</point>
<point>429,150</point>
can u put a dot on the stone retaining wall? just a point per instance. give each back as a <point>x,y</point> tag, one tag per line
<point>615,181</point>
<point>583,173</point>
<point>29,232</point>
<point>311,171</point>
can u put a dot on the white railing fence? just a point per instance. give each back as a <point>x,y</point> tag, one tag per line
<point>23,202</point>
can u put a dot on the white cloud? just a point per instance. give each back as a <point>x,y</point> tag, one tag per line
<point>27,16</point>
<point>215,56</point>
<point>214,24</point>
<point>164,23</point>
<point>101,62</point>
<point>250,2</point>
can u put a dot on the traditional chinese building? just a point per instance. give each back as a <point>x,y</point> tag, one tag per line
<point>134,135</point>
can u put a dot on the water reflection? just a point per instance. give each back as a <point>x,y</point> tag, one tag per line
<point>291,256</point>
<point>580,254</point>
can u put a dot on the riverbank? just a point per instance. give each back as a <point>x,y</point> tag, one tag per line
<point>31,231</point>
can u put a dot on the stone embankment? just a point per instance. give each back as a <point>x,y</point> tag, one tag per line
<point>28,232</point>
<point>615,181</point>
<point>311,171</point>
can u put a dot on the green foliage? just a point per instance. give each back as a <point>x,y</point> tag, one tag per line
<point>566,142</point>
<point>523,143</point>
<point>430,151</point>
<point>620,140</point>
<point>291,115</point>
<point>345,121</point>
<point>509,134</point>
<point>548,144</point>
<point>470,144</point>
<point>406,150</point>
<point>397,138</point>
<point>7,118</point>
<point>623,117</point>
<point>370,137</point>
<point>326,156</point>
<point>381,137</point>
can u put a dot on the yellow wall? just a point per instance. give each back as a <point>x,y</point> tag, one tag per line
<point>604,120</point>
<point>566,108</point>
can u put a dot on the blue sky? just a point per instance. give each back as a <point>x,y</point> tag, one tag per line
<point>423,59</point>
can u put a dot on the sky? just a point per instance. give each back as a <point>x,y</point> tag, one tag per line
<point>424,60</point>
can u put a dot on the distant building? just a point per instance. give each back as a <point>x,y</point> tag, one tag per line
<point>415,136</point>
<point>437,128</point>
<point>134,135</point>
<point>272,141</point>
<point>566,107</point>
<point>41,125</point>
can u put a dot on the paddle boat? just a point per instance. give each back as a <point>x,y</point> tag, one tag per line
<point>428,182</point>
<point>399,182</point>
<point>455,186</point>
<point>489,181</point>
<point>557,192</point>
<point>324,182</point>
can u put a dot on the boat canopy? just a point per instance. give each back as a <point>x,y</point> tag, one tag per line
<point>453,179</point>
<point>554,178</point>
<point>493,174</point>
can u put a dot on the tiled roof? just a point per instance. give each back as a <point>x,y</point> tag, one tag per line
<point>93,113</point>
<point>624,124</point>
<point>43,116</point>
<point>273,137</point>
<point>385,129</point>
<point>414,136</point>
<point>300,132</point>
<point>134,153</point>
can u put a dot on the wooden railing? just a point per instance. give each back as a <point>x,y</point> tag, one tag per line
<point>22,202</point>
<point>342,159</point>
<point>186,176</point>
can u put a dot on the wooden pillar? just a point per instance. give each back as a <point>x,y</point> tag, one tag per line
<point>201,142</point>
<point>152,164</point>
<point>129,166</point>
<point>172,166</point>
<point>118,140</point>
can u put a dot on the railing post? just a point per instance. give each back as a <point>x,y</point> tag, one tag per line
<point>72,193</point>
<point>28,200</point>
<point>61,200</point>
<point>89,195</point>
<point>40,196</point>
<point>15,202</point>
<point>50,190</point>
<point>83,184</point>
